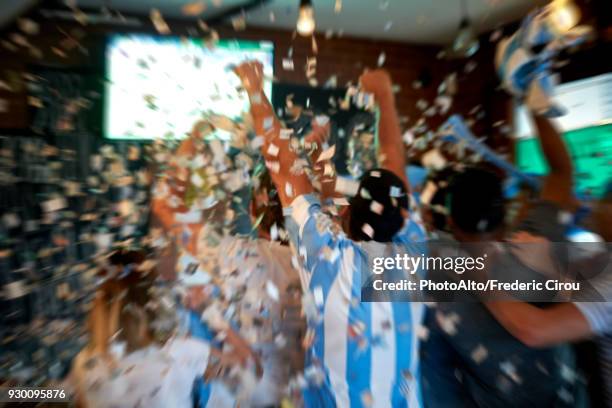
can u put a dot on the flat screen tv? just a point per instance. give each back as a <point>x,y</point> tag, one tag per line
<point>158,87</point>
<point>587,130</point>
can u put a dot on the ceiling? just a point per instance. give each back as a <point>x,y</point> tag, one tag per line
<point>416,21</point>
<point>9,9</point>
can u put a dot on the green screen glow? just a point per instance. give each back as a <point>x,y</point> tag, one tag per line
<point>591,151</point>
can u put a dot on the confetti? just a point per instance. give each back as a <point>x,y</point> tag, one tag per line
<point>317,293</point>
<point>376,207</point>
<point>433,159</point>
<point>367,399</point>
<point>28,26</point>
<point>396,192</point>
<point>510,370</point>
<point>285,134</point>
<point>34,101</point>
<point>322,120</point>
<point>365,194</point>
<point>311,67</point>
<point>496,35</point>
<point>341,201</point>
<point>11,220</point>
<point>314,45</point>
<point>327,154</point>
<point>273,166</point>
<point>479,354</point>
<point>273,150</point>
<point>239,23</point>
<point>381,59</point>
<point>272,291</point>
<point>158,22</point>
<point>346,186</point>
<point>470,66</point>
<point>203,26</point>
<point>289,190</point>
<point>288,64</point>
<point>368,230</point>
<point>268,122</point>
<point>448,323</point>
<point>257,142</point>
<point>53,205</point>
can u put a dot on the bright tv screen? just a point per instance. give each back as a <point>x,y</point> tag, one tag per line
<point>158,87</point>
<point>591,151</point>
<point>587,130</point>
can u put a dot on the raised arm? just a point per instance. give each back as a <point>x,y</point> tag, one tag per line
<point>99,323</point>
<point>280,160</point>
<point>390,145</point>
<point>537,327</point>
<point>323,168</point>
<point>558,186</point>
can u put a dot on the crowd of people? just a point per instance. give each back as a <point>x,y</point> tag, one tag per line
<point>281,319</point>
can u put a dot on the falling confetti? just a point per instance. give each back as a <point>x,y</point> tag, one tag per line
<point>479,354</point>
<point>28,26</point>
<point>158,22</point>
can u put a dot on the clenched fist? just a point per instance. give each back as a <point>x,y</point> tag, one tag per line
<point>251,75</point>
<point>377,82</point>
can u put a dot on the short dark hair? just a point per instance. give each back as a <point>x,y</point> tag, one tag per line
<point>476,201</point>
<point>382,189</point>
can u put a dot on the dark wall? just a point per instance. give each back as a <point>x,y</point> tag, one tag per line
<point>82,49</point>
<point>75,48</point>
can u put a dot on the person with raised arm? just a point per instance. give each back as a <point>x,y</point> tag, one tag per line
<point>359,353</point>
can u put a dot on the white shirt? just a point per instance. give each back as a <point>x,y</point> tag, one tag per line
<point>151,377</point>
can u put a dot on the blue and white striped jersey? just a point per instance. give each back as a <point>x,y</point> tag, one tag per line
<point>359,354</point>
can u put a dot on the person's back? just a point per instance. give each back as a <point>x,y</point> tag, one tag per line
<point>469,359</point>
<point>358,353</point>
<point>362,347</point>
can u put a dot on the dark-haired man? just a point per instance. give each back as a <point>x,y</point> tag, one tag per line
<point>469,359</point>
<point>358,354</point>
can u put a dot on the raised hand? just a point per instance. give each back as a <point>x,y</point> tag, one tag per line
<point>251,75</point>
<point>377,82</point>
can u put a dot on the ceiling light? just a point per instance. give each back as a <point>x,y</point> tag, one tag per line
<point>466,43</point>
<point>564,15</point>
<point>306,21</point>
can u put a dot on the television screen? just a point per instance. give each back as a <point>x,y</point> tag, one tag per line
<point>158,87</point>
<point>587,130</point>
<point>591,151</point>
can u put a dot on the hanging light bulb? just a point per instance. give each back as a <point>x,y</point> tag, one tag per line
<point>466,43</point>
<point>564,15</point>
<point>306,22</point>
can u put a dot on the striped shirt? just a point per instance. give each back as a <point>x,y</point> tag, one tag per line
<point>359,354</point>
